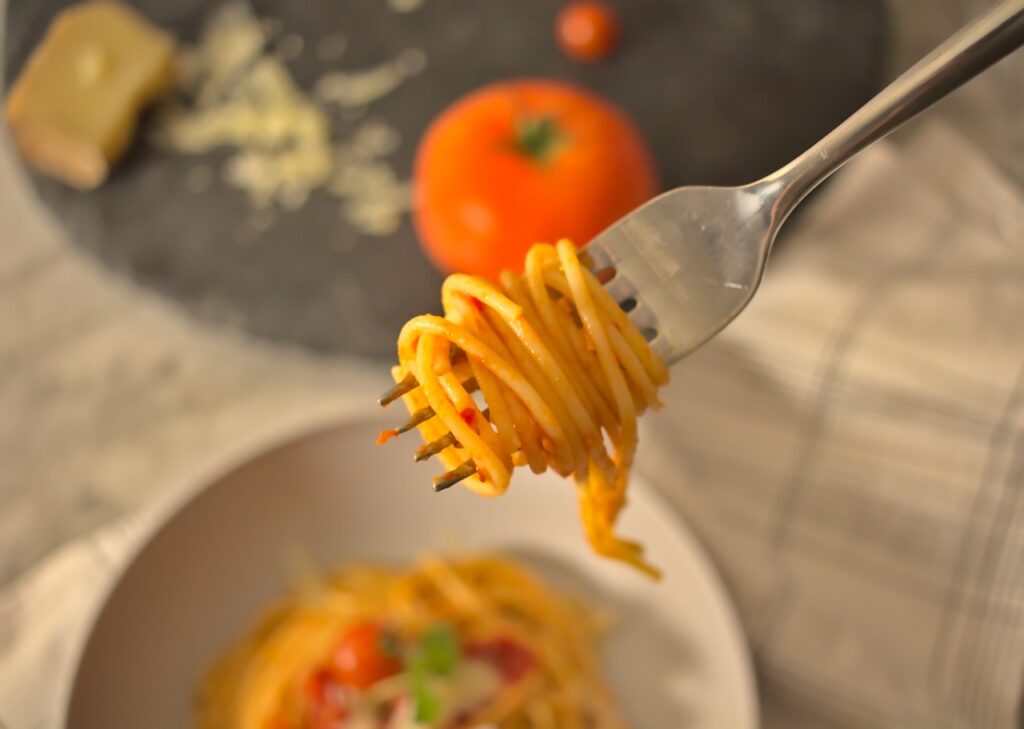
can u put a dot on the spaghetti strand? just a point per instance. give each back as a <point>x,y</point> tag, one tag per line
<point>564,372</point>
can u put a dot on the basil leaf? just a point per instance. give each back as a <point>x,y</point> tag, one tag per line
<point>428,706</point>
<point>435,654</point>
<point>438,652</point>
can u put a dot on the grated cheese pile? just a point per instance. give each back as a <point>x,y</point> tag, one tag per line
<point>238,95</point>
<point>351,90</point>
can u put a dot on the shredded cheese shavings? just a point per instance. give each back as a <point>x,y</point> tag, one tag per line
<point>354,89</point>
<point>239,95</point>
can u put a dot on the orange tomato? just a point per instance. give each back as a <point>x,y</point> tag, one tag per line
<point>587,30</point>
<point>521,162</point>
<point>359,660</point>
<point>321,711</point>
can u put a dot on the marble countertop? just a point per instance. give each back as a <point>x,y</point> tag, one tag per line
<point>109,394</point>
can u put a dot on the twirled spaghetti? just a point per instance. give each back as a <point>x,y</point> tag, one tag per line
<point>562,370</point>
<point>455,645</point>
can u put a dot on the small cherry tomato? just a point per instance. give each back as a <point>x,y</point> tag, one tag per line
<point>359,660</point>
<point>522,162</point>
<point>587,30</point>
<point>322,712</point>
<point>326,716</point>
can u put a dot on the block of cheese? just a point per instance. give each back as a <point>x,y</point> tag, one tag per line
<point>73,110</point>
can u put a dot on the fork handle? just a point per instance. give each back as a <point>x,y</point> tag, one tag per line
<point>967,53</point>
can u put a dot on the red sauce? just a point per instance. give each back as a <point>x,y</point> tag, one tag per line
<point>510,659</point>
<point>322,710</point>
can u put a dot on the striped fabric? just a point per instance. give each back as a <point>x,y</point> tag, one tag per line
<point>851,450</point>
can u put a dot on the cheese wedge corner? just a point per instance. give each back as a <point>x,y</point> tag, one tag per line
<point>73,110</point>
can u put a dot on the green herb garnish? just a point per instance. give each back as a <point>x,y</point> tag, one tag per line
<point>438,652</point>
<point>428,706</point>
<point>436,655</point>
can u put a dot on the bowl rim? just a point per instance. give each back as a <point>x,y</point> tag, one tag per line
<point>168,505</point>
<point>175,498</point>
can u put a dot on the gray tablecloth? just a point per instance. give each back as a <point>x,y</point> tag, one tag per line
<point>851,450</point>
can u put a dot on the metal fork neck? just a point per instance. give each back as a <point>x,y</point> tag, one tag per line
<point>970,51</point>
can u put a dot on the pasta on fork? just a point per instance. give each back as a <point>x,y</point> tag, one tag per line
<point>563,374</point>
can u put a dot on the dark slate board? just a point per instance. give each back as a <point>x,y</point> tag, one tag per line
<point>724,90</point>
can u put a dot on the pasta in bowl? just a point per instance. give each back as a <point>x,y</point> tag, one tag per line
<point>456,644</point>
<point>311,497</point>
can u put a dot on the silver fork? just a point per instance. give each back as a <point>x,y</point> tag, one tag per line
<point>687,263</point>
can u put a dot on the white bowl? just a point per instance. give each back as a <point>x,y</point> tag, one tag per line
<point>675,659</point>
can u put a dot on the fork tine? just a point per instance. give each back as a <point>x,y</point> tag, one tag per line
<point>620,289</point>
<point>423,415</point>
<point>426,451</point>
<point>599,266</point>
<point>642,317</point>
<point>586,259</point>
<point>420,416</point>
<point>407,384</point>
<point>450,478</point>
<point>604,275</point>
<point>594,257</point>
